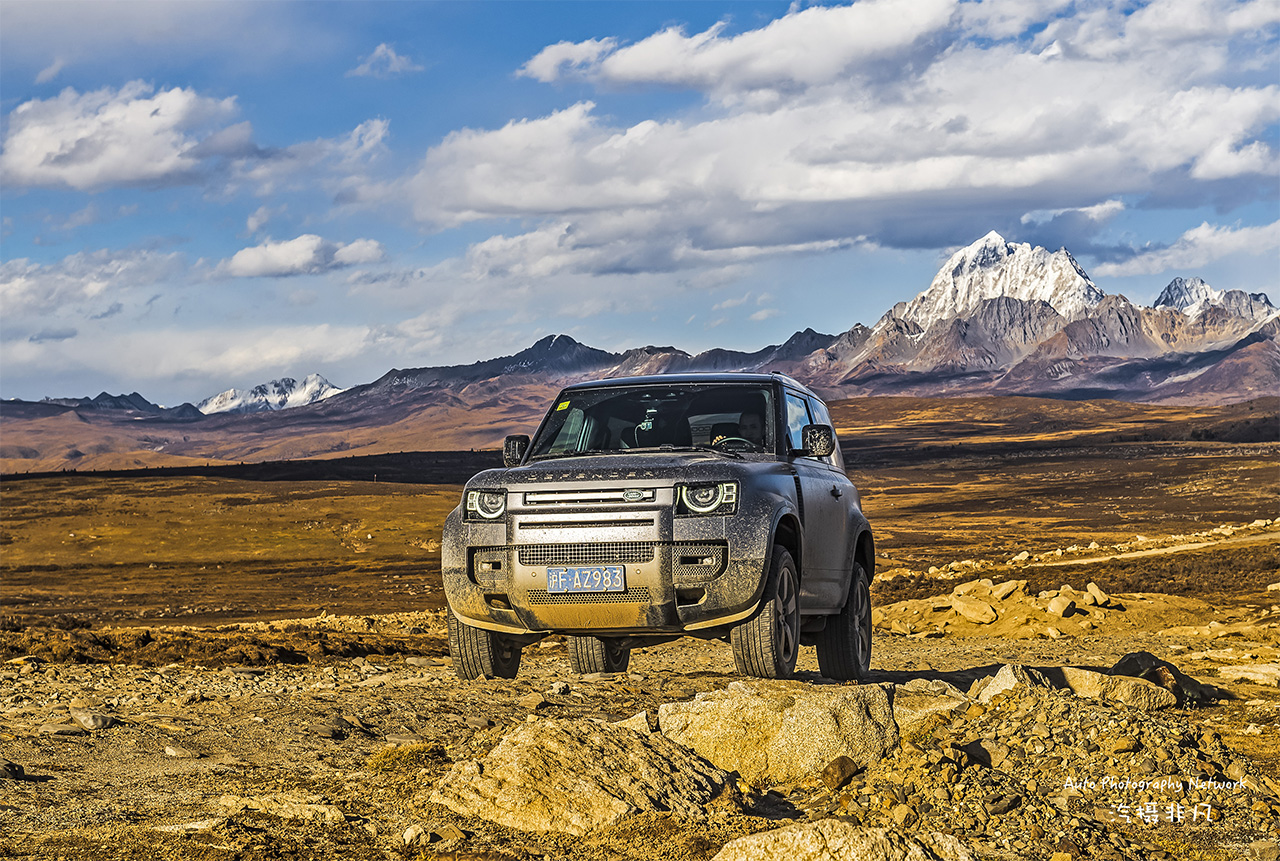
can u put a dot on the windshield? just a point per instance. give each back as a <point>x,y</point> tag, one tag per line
<point>731,418</point>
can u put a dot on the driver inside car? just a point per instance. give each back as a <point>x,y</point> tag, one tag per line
<point>751,428</point>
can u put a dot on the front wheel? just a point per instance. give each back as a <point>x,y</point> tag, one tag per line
<point>479,653</point>
<point>766,645</point>
<point>596,655</point>
<point>844,646</point>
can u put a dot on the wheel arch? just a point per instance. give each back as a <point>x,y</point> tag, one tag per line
<point>865,554</point>
<point>787,534</point>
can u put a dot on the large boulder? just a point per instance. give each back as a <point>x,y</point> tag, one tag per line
<point>1144,665</point>
<point>834,840</point>
<point>784,731</point>
<point>576,776</point>
<point>1138,693</point>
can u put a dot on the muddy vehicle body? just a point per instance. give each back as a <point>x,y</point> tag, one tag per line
<point>649,508</point>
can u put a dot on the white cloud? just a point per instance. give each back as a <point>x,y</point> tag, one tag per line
<point>1197,247</point>
<point>764,314</point>
<point>212,354</point>
<point>384,62</point>
<point>260,216</point>
<point>82,281</point>
<point>51,71</point>
<point>306,255</point>
<point>892,123</point>
<point>130,136</point>
<point>805,48</point>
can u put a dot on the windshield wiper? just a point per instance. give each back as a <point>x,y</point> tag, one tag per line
<point>706,448</point>
<point>583,453</point>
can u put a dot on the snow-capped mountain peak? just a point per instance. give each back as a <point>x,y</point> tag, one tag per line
<point>280,394</point>
<point>1192,296</point>
<point>992,268</point>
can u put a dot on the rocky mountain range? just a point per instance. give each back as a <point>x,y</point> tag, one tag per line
<point>999,318</point>
<point>280,394</point>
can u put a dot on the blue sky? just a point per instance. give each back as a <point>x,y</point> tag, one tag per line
<point>204,195</point>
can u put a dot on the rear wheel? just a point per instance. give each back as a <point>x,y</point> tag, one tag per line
<point>479,653</point>
<point>597,655</point>
<point>844,646</point>
<point>766,644</point>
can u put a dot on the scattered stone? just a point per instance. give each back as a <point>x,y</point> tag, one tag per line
<point>784,731</point>
<point>1263,850</point>
<point>402,739</point>
<point>287,805</point>
<point>1259,674</point>
<point>1003,590</point>
<point>449,833</point>
<point>975,610</point>
<point>998,804</point>
<point>533,702</point>
<point>919,708</point>
<point>477,722</point>
<point>839,771</point>
<point>640,722</point>
<point>1007,678</point>
<point>425,663</point>
<point>1123,744</point>
<point>1061,606</point>
<point>1273,587</point>
<point>834,840</point>
<point>177,752</point>
<point>61,729</point>
<point>191,827</point>
<point>606,773</point>
<point>415,834</point>
<point>1101,598</point>
<point>325,730</point>
<point>11,770</point>
<point>1138,693</point>
<point>558,688</point>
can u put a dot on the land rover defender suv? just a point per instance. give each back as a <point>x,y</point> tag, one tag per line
<point>649,508</point>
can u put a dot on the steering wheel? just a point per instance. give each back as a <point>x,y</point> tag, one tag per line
<point>733,439</point>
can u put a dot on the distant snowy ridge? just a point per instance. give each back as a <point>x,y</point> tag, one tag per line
<point>281,394</point>
<point>1192,296</point>
<point>992,268</point>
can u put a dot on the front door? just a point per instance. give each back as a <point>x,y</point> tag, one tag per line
<point>822,579</point>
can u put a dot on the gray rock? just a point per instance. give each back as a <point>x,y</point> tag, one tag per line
<point>399,740</point>
<point>180,752</point>
<point>839,772</point>
<point>61,729</point>
<point>640,722</point>
<point>575,777</point>
<point>91,719</point>
<point>1009,677</point>
<point>974,609</point>
<point>1144,665</point>
<point>1259,674</point>
<point>783,731</point>
<point>1062,607</point>
<point>1138,693</point>
<point>1263,850</point>
<point>833,840</point>
<point>918,711</point>
<point>11,770</point>
<point>287,805</point>
<point>1102,598</point>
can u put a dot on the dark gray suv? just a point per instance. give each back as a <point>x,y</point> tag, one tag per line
<point>649,508</point>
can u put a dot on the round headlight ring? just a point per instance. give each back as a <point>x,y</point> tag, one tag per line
<point>702,499</point>
<point>488,504</point>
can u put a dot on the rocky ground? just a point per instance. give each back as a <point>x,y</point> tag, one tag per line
<point>393,757</point>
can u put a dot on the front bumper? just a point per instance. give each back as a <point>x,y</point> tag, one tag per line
<point>682,573</point>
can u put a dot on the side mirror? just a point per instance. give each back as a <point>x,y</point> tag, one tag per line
<point>819,440</point>
<point>514,448</point>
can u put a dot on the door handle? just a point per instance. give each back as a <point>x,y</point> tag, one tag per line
<point>835,491</point>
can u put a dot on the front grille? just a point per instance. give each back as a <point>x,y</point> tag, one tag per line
<point>609,553</point>
<point>631,596</point>
<point>618,496</point>
<point>601,523</point>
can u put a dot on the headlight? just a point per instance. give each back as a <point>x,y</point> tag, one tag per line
<point>486,504</point>
<point>702,499</point>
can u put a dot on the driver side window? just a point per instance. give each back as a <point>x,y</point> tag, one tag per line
<point>797,418</point>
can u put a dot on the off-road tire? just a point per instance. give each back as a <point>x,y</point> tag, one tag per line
<point>478,653</point>
<point>596,655</point>
<point>844,645</point>
<point>766,645</point>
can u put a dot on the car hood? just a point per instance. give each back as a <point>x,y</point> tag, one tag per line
<point>660,468</point>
